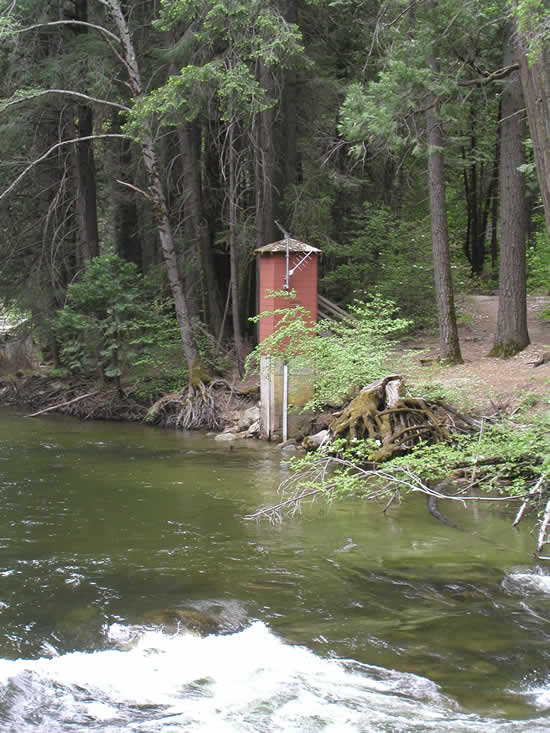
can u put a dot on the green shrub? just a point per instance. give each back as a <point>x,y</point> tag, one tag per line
<point>538,263</point>
<point>95,326</point>
<point>345,355</point>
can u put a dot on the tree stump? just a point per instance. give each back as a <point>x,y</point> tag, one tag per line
<point>382,414</point>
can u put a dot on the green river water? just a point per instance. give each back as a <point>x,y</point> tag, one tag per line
<point>118,542</point>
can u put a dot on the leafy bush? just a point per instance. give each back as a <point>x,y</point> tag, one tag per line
<point>345,355</point>
<point>538,263</point>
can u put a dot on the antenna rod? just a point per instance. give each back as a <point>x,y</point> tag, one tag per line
<point>287,242</point>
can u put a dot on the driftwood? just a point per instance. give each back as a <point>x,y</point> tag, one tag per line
<point>544,528</point>
<point>382,413</point>
<point>535,493</point>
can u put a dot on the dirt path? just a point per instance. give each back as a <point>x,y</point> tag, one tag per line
<point>500,380</point>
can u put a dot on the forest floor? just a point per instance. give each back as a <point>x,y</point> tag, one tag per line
<point>482,380</point>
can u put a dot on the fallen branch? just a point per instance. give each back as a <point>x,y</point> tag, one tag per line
<point>64,404</point>
<point>544,527</point>
<point>535,491</point>
<point>375,484</point>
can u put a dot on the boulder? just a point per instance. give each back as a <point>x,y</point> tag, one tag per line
<point>312,442</point>
<point>226,436</point>
<point>254,430</point>
<point>248,417</point>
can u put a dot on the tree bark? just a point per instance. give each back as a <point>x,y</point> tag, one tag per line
<point>449,348</point>
<point>264,164</point>
<point>234,246</point>
<point>287,146</point>
<point>512,335</point>
<point>189,145</point>
<point>200,274</point>
<point>535,82</point>
<point>84,163</point>
<point>156,194</point>
<point>128,238</point>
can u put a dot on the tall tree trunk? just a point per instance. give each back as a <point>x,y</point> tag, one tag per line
<point>87,192</point>
<point>189,146</point>
<point>156,194</point>
<point>84,163</point>
<point>288,125</point>
<point>449,348</point>
<point>264,164</point>
<point>128,236</point>
<point>127,233</point>
<point>535,82</point>
<point>234,246</point>
<point>200,274</point>
<point>495,195</point>
<point>512,334</point>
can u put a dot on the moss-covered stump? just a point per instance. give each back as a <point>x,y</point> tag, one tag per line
<point>395,423</point>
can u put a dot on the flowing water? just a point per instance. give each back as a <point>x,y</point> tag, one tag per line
<point>133,597</point>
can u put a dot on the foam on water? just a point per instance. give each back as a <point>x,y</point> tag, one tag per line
<point>247,681</point>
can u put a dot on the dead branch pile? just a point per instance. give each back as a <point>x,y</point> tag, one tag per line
<point>395,422</point>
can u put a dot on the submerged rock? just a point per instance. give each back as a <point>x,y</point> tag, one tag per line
<point>226,436</point>
<point>209,617</point>
<point>189,619</point>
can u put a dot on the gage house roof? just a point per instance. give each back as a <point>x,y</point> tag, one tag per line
<point>280,247</point>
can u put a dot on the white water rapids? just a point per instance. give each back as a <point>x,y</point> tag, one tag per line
<point>150,681</point>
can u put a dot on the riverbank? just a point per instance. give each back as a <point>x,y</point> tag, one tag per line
<point>481,385</point>
<point>228,405</point>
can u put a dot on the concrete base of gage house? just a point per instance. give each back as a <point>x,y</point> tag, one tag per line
<point>300,391</point>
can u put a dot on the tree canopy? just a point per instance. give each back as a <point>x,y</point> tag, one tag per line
<point>174,134</point>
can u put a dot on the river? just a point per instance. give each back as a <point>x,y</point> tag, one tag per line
<point>119,543</point>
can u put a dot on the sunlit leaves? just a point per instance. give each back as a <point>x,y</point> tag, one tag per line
<point>345,355</point>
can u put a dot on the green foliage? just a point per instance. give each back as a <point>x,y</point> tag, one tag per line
<point>384,253</point>
<point>102,313</point>
<point>249,33</point>
<point>157,361</point>
<point>345,355</point>
<point>8,24</point>
<point>502,458</point>
<point>506,459</point>
<point>538,263</point>
<point>533,21</point>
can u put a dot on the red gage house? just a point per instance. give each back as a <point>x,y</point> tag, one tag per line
<point>284,265</point>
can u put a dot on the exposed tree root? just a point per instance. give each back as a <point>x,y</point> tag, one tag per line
<point>382,413</point>
<point>197,406</point>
